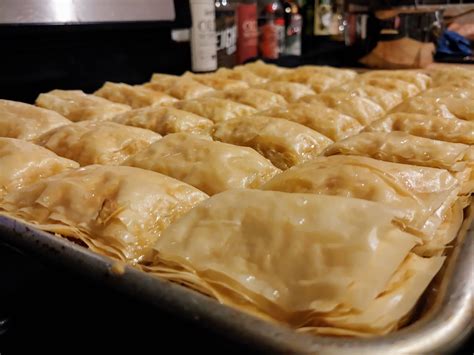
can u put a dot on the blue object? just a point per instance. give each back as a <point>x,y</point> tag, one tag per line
<point>453,44</point>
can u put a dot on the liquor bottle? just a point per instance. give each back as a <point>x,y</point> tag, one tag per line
<point>203,36</point>
<point>226,31</point>
<point>247,30</point>
<point>293,28</point>
<point>271,28</point>
<point>323,15</point>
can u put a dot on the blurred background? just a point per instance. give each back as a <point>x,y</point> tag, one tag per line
<point>68,44</point>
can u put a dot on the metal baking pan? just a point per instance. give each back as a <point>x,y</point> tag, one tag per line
<point>443,320</point>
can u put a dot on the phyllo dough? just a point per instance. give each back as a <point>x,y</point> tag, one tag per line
<point>115,210</point>
<point>401,147</point>
<point>257,98</point>
<point>214,108</point>
<point>455,76</point>
<point>210,166</point>
<point>291,92</point>
<point>443,106</point>
<point>450,91</point>
<point>284,143</point>
<point>404,88</point>
<point>317,82</point>
<point>77,106</point>
<point>216,82</point>
<point>423,195</point>
<point>90,142</point>
<point>23,163</point>
<point>165,120</point>
<point>435,127</point>
<point>244,75</point>
<point>421,80</point>
<point>319,117</point>
<point>341,75</point>
<point>362,109</point>
<point>262,69</point>
<point>23,121</point>
<point>385,98</point>
<point>134,96</point>
<point>184,88</point>
<point>294,256</point>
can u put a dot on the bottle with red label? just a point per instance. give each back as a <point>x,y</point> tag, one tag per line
<point>247,30</point>
<point>271,28</point>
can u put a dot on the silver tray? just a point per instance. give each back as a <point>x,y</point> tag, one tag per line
<point>443,320</point>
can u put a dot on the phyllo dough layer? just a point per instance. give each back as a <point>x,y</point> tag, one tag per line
<point>134,96</point>
<point>166,120</point>
<point>23,163</point>
<point>23,121</point>
<point>210,166</point>
<point>284,143</point>
<point>115,210</point>
<point>435,127</point>
<point>303,259</point>
<point>78,106</point>
<point>90,142</point>
<point>423,195</point>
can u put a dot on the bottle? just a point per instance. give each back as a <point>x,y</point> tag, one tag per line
<point>247,30</point>
<point>226,32</point>
<point>293,28</point>
<point>323,15</point>
<point>203,36</point>
<point>271,29</point>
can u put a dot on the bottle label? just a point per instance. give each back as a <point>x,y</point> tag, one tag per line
<point>203,36</point>
<point>226,38</point>
<point>293,35</point>
<point>247,32</point>
<point>272,38</point>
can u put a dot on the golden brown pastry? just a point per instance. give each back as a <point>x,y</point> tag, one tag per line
<point>23,121</point>
<point>421,80</point>
<point>91,142</point>
<point>454,76</point>
<point>262,69</point>
<point>319,117</point>
<point>215,109</point>
<point>428,126</point>
<point>422,195</point>
<point>134,96</point>
<point>216,82</point>
<point>401,87</point>
<point>283,142</point>
<point>183,88</point>
<point>341,75</point>
<point>244,75</point>
<point>257,98</point>
<point>361,108</point>
<point>77,106</point>
<point>401,147</point>
<point>317,82</point>
<point>165,120</point>
<point>23,163</point>
<point>291,92</point>
<point>385,98</point>
<point>450,91</point>
<point>448,107</point>
<point>294,256</point>
<point>115,210</point>
<point>210,166</point>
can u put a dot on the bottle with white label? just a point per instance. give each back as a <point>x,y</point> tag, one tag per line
<point>226,28</point>
<point>203,36</point>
